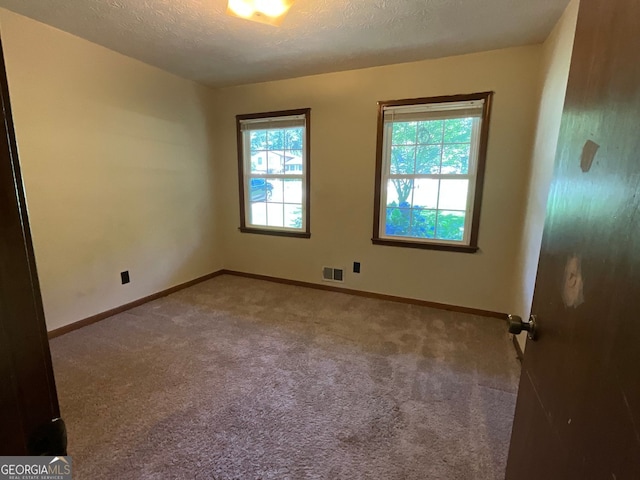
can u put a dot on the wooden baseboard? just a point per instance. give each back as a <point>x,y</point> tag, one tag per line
<point>360,293</point>
<point>128,306</point>
<point>516,345</point>
<point>379,296</point>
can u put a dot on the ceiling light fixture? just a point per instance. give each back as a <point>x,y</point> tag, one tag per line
<point>270,12</point>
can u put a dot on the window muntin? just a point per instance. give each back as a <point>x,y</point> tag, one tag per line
<point>274,172</point>
<point>430,167</point>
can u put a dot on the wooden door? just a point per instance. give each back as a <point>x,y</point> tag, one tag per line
<point>29,412</point>
<point>578,409</point>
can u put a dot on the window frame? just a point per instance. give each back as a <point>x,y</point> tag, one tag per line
<point>243,176</point>
<point>433,244</point>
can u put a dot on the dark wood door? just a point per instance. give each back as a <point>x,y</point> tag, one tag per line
<point>578,409</point>
<point>29,412</point>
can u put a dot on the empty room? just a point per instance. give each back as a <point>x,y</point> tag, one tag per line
<point>305,239</point>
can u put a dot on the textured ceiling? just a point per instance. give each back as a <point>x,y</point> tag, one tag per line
<point>196,40</point>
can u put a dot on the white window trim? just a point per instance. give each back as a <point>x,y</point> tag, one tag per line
<point>471,176</point>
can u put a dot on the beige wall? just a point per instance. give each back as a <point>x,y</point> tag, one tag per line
<point>119,167</point>
<point>343,142</point>
<point>555,73</point>
<point>117,163</point>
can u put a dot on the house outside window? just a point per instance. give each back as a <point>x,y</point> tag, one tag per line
<point>273,167</point>
<point>431,155</point>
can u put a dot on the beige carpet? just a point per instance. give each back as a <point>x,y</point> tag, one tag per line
<point>244,379</point>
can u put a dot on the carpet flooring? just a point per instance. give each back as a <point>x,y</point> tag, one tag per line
<point>236,378</point>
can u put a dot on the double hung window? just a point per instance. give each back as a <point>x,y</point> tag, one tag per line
<point>273,160</point>
<point>430,167</point>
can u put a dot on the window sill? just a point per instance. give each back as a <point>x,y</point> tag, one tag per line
<point>275,233</point>
<point>425,246</point>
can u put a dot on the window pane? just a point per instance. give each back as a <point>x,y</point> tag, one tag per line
<point>423,223</point>
<point>402,160</point>
<point>258,139</point>
<point>275,192</point>
<point>259,161</point>
<point>430,131</point>
<point>455,158</point>
<point>399,192</point>
<point>453,194</point>
<point>404,133</point>
<point>258,214</point>
<point>275,162</point>
<point>398,221</point>
<point>292,191</point>
<point>274,215</point>
<point>450,225</point>
<point>293,216</point>
<point>294,138</point>
<point>293,162</point>
<point>275,139</point>
<point>425,193</point>
<point>260,190</point>
<point>458,130</point>
<point>428,159</point>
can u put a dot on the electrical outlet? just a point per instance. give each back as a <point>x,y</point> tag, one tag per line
<point>356,267</point>
<point>124,276</point>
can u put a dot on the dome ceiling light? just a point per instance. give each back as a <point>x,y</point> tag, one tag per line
<point>271,12</point>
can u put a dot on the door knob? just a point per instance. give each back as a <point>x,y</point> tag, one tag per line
<point>516,325</point>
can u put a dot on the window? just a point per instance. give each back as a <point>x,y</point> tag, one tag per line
<point>273,165</point>
<point>429,172</point>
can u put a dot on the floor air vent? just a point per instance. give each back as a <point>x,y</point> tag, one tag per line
<point>330,274</point>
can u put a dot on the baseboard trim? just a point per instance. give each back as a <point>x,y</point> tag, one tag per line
<point>516,345</point>
<point>128,306</point>
<point>362,293</point>
<point>359,293</point>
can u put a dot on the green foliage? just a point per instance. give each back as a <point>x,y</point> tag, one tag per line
<point>450,226</point>
<point>282,139</point>
<point>458,130</point>
<point>430,133</point>
<point>428,159</point>
<point>258,139</point>
<point>275,139</point>
<point>297,222</point>
<point>429,147</point>
<point>403,160</point>
<point>404,133</point>
<point>398,221</point>
<point>455,158</point>
<point>401,220</point>
<point>423,223</point>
